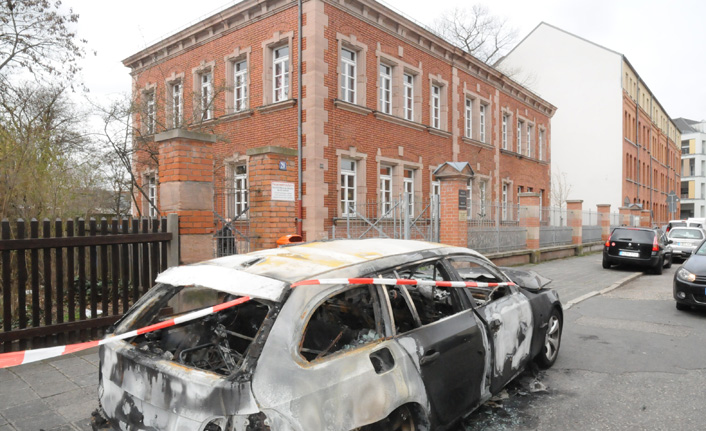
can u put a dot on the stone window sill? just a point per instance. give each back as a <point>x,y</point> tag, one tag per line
<point>400,121</point>
<point>351,107</point>
<point>273,107</point>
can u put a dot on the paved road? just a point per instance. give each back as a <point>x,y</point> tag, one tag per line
<point>629,361</point>
<point>60,394</point>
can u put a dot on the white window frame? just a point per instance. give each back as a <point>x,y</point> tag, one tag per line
<point>206,95</point>
<point>436,106</point>
<point>469,118</point>
<point>469,199</point>
<point>408,96</point>
<point>280,70</point>
<point>436,188</point>
<point>151,180</point>
<point>541,144</point>
<point>529,140</point>
<point>350,176</point>
<point>348,75</point>
<point>408,189</point>
<point>504,132</point>
<point>150,117</point>
<point>504,201</point>
<point>482,122</point>
<point>385,189</point>
<point>482,190</point>
<point>519,136</point>
<point>386,88</point>
<point>240,85</point>
<point>240,195</point>
<point>177,103</point>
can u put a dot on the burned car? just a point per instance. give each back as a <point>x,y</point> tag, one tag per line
<point>342,335</point>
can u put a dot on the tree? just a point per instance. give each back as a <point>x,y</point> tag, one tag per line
<point>486,37</point>
<point>46,166</point>
<point>561,188</point>
<point>36,37</point>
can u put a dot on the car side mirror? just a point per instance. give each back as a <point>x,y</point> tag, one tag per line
<point>669,241</point>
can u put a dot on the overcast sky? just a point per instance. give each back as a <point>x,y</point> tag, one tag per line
<point>662,39</point>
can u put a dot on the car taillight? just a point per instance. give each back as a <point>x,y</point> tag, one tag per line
<point>655,245</point>
<point>607,243</point>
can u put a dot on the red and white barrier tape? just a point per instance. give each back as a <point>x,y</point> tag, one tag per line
<point>25,357</point>
<point>399,281</point>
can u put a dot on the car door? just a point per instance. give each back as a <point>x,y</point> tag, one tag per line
<point>506,314</point>
<point>444,340</point>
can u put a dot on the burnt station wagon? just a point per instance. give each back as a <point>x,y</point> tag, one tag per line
<point>380,354</point>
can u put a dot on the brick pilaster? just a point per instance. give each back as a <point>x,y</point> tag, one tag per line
<point>186,188</point>
<point>574,211</point>
<point>529,218</point>
<point>453,179</point>
<point>624,216</point>
<point>645,218</point>
<point>271,214</point>
<point>604,220</point>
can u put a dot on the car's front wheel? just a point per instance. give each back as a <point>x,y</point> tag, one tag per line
<point>552,341</point>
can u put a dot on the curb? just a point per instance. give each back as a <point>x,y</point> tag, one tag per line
<point>610,288</point>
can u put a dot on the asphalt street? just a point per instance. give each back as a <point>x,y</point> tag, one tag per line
<point>629,360</point>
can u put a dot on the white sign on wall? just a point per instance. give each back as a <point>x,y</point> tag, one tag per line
<point>282,191</point>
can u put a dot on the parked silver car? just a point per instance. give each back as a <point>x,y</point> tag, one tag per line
<point>328,336</point>
<point>685,240</point>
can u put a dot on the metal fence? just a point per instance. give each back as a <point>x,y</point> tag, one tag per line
<point>407,217</point>
<point>231,236</point>
<point>591,234</point>
<point>493,239</point>
<point>553,216</point>
<point>554,235</point>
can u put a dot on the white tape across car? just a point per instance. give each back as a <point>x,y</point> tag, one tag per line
<point>12,359</point>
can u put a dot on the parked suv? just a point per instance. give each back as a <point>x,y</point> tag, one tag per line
<point>638,246</point>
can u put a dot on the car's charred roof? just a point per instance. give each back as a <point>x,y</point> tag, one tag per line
<point>264,273</point>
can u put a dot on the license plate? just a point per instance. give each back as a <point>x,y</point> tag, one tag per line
<point>629,254</point>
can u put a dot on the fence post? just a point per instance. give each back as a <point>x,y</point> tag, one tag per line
<point>173,245</point>
<point>604,220</point>
<point>529,218</point>
<point>574,210</point>
<point>645,218</point>
<point>453,180</point>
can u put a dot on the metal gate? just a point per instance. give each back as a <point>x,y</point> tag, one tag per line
<point>232,236</point>
<point>404,218</point>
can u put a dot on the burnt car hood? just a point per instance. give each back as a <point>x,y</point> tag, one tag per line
<point>140,392</point>
<point>529,280</point>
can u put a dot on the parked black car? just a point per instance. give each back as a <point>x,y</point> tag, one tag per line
<point>638,246</point>
<point>690,281</point>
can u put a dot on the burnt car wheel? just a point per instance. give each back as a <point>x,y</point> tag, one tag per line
<point>552,341</point>
<point>401,419</point>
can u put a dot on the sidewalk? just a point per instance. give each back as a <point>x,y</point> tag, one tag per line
<point>60,394</point>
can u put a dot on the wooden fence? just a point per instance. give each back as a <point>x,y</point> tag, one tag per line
<point>78,278</point>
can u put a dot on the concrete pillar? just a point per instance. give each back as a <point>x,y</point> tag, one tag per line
<point>186,188</point>
<point>529,218</point>
<point>604,220</point>
<point>624,216</point>
<point>273,180</point>
<point>574,211</point>
<point>453,180</point>
<point>645,218</point>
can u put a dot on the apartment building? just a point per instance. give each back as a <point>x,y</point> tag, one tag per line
<point>383,102</point>
<point>693,167</point>
<point>612,139</point>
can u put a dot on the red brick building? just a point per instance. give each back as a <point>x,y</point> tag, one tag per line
<point>383,101</point>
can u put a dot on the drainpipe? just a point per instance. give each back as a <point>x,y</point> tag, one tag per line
<point>299,118</point>
<point>637,140</point>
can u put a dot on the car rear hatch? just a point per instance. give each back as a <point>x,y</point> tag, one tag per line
<point>631,243</point>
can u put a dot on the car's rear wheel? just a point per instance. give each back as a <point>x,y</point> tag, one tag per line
<point>552,341</point>
<point>660,266</point>
<point>401,419</point>
<point>682,307</point>
<point>606,263</point>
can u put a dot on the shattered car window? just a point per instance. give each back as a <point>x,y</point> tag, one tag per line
<point>471,269</point>
<point>343,322</point>
<point>403,309</point>
<point>432,303</point>
<point>217,342</point>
